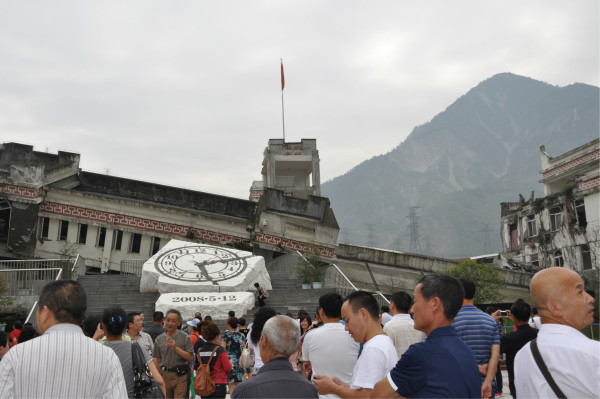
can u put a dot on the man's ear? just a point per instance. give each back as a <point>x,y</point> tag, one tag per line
<point>435,304</point>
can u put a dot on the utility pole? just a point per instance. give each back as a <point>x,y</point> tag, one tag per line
<point>370,235</point>
<point>414,226</point>
<point>487,245</point>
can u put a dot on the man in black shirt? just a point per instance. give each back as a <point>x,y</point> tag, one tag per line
<point>511,343</point>
<point>157,325</point>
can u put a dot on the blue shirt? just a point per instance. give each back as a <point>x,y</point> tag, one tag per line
<point>442,366</point>
<point>479,331</point>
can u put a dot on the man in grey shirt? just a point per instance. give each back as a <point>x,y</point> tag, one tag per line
<point>277,379</point>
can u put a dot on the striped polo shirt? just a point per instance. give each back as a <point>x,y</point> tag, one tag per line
<point>478,330</point>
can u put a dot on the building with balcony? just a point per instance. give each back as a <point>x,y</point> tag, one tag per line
<point>292,167</point>
<point>563,227</point>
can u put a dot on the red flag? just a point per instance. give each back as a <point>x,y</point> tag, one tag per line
<point>282,78</point>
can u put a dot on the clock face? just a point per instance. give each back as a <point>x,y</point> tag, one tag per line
<point>200,263</point>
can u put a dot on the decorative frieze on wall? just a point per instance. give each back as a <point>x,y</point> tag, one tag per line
<point>291,245</point>
<point>586,185</point>
<point>18,191</point>
<point>571,164</point>
<point>136,222</point>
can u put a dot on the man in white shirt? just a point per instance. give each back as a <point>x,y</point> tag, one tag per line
<point>572,359</point>
<point>330,350</point>
<point>63,362</point>
<point>401,327</point>
<point>361,315</point>
<point>385,315</point>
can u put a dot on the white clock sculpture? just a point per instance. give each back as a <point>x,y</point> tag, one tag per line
<point>196,277</point>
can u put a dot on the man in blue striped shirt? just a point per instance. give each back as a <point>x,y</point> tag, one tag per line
<point>480,332</point>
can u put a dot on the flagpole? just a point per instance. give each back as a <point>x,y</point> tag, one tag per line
<point>282,109</point>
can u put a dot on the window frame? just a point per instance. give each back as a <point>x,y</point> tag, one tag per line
<point>555,218</point>
<point>63,225</point>
<point>83,230</point>
<point>135,246</point>
<point>101,238</point>
<point>531,225</point>
<point>559,260</point>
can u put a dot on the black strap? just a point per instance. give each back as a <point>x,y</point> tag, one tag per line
<point>542,365</point>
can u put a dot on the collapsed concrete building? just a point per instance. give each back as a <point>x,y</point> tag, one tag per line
<point>563,227</point>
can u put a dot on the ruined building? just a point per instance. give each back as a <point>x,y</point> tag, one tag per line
<point>563,227</point>
<point>50,208</point>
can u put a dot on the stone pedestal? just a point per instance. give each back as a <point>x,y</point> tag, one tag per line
<point>217,305</point>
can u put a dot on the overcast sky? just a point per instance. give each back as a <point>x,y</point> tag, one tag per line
<point>188,93</point>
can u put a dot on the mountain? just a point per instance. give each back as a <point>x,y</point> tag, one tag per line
<point>481,151</point>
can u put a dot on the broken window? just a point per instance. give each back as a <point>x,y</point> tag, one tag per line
<point>555,218</point>
<point>63,230</point>
<point>136,243</point>
<point>155,244</point>
<point>101,237</point>
<point>514,238</point>
<point>82,233</point>
<point>45,226</point>
<point>586,257</point>
<point>580,213</point>
<point>558,258</point>
<point>531,226</point>
<point>118,240</point>
<point>535,261</point>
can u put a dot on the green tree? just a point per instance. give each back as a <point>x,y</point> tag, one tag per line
<point>487,280</point>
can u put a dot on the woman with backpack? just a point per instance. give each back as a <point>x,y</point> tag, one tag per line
<point>215,356</point>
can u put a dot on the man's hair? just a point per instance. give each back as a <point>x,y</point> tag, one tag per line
<point>231,313</point>
<point>115,320</point>
<point>256,285</point>
<point>363,299</point>
<point>521,310</point>
<point>468,286</point>
<point>66,300</point>
<point>283,335</point>
<point>210,331</point>
<point>331,303</point>
<point>131,317</point>
<point>445,287</point>
<point>17,325</point>
<point>3,338</point>
<point>176,312</point>
<point>90,324</point>
<point>402,301</point>
<point>158,317</point>
<point>385,309</point>
<point>490,309</point>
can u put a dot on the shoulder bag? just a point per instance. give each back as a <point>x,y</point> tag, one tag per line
<point>246,358</point>
<point>144,386</point>
<point>542,365</point>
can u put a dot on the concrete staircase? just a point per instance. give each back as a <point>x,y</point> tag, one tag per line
<point>107,290</point>
<point>287,295</point>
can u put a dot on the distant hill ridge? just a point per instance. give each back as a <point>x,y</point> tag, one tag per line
<point>482,150</point>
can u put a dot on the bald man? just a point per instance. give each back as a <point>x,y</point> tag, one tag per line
<point>572,359</point>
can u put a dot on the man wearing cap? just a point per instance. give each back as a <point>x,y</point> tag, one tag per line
<point>193,329</point>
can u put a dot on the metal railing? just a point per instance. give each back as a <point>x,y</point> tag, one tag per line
<point>31,264</point>
<point>133,266</point>
<point>336,279</point>
<point>23,282</point>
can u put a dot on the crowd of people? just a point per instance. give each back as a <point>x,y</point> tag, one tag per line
<point>435,343</point>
